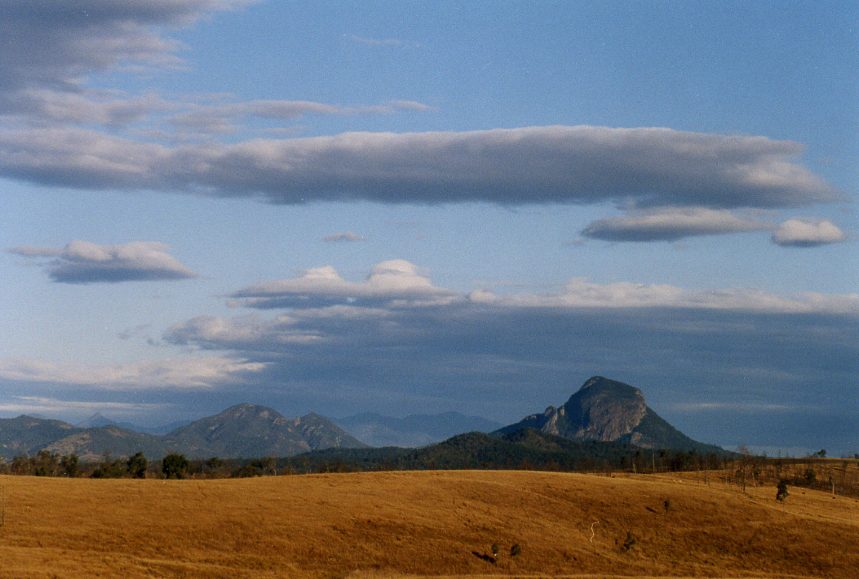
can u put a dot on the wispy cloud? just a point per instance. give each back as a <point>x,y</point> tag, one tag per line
<point>225,117</point>
<point>343,236</point>
<point>367,41</point>
<point>82,262</point>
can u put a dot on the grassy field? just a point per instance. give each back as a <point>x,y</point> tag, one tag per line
<point>421,523</point>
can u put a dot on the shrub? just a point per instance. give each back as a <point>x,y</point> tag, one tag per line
<point>630,541</point>
<point>69,465</point>
<point>137,465</point>
<point>781,491</point>
<point>174,466</point>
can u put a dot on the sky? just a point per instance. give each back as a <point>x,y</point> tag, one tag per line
<point>411,207</point>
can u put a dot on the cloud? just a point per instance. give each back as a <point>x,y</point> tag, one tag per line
<point>343,236</point>
<point>807,233</point>
<point>51,45</point>
<point>398,284</point>
<point>391,282</point>
<point>533,165</point>
<point>81,262</point>
<point>670,224</point>
<point>48,405</point>
<point>47,106</point>
<point>704,357</point>
<point>222,118</point>
<point>582,293</point>
<point>177,373</point>
<point>390,42</point>
<point>509,358</point>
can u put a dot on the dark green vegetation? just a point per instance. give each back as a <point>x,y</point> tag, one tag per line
<point>520,449</point>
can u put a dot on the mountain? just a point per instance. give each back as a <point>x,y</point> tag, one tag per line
<point>609,411</point>
<point>248,430</point>
<point>91,444</point>
<point>413,430</point>
<point>28,435</point>
<point>242,431</point>
<point>97,420</point>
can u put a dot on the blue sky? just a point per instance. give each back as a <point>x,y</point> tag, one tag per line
<point>412,207</point>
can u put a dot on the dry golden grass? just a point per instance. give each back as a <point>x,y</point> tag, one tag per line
<point>420,523</point>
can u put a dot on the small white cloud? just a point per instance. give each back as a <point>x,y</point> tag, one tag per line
<point>82,262</point>
<point>807,233</point>
<point>343,236</point>
<point>390,42</point>
<point>396,281</point>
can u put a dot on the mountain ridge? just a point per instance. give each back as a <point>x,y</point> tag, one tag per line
<point>243,430</point>
<point>606,410</point>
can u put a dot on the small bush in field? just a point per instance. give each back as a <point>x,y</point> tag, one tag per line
<point>781,491</point>
<point>630,541</point>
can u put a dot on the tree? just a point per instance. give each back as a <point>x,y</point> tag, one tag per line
<point>69,465</point>
<point>137,465</point>
<point>174,466</point>
<point>46,464</point>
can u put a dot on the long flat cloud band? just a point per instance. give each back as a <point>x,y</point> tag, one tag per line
<point>531,165</point>
<point>81,262</point>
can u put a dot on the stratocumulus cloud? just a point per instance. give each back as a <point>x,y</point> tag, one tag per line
<point>399,283</point>
<point>396,281</point>
<point>670,224</point>
<point>193,373</point>
<point>736,347</point>
<point>54,44</point>
<point>47,405</point>
<point>807,233</point>
<point>555,164</point>
<point>81,262</point>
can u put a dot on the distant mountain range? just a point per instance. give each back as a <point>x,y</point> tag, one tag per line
<point>98,420</point>
<point>605,418</point>
<point>605,424</point>
<point>413,430</point>
<point>244,430</point>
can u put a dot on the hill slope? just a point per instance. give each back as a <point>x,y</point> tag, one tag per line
<point>28,435</point>
<point>421,523</point>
